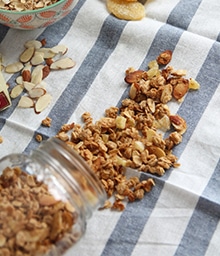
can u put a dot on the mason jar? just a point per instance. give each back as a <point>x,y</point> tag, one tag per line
<point>68,179</point>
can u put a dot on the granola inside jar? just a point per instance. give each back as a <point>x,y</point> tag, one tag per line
<point>45,200</point>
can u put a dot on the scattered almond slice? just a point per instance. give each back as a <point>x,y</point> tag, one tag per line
<point>36,93</point>
<point>34,66</point>
<point>28,86</point>
<point>64,63</point>
<point>37,74</point>
<point>48,54</point>
<point>26,75</point>
<point>156,151</point>
<point>42,103</point>
<point>16,91</point>
<point>14,67</point>
<point>37,59</point>
<point>27,66</point>
<point>19,80</point>
<point>59,49</point>
<point>27,54</point>
<point>42,85</point>
<point>33,43</point>
<point>25,102</point>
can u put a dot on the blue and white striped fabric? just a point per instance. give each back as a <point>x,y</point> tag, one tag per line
<point>181,215</point>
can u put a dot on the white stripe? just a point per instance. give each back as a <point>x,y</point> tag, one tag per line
<point>199,160</point>
<point>167,223</point>
<point>97,233</point>
<point>208,13</point>
<point>160,9</point>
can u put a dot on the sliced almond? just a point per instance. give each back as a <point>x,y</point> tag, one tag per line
<point>27,54</point>
<point>36,93</point>
<point>14,67</point>
<point>47,200</point>
<point>64,63</point>
<point>33,43</point>
<point>37,74</point>
<point>59,49</point>
<point>26,75</point>
<point>27,66</point>
<point>16,91</point>
<point>42,84</point>
<point>46,71</point>
<point>156,151</point>
<point>19,80</point>
<point>25,102</point>
<point>42,102</point>
<point>37,59</point>
<point>28,86</point>
<point>48,54</point>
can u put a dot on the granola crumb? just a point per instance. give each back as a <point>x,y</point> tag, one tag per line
<point>46,122</point>
<point>38,138</point>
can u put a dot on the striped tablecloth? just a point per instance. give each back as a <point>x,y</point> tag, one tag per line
<point>181,215</point>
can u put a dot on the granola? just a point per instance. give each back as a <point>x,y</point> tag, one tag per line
<point>14,5</point>
<point>32,221</point>
<point>131,135</point>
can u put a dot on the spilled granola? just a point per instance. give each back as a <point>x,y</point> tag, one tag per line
<point>131,136</point>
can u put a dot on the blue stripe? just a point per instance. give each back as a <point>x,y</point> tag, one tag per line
<point>3,32</point>
<point>218,38</point>
<point>182,14</point>
<point>204,220</point>
<point>130,225</point>
<point>83,78</point>
<point>192,111</point>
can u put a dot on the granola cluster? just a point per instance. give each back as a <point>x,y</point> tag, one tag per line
<point>132,135</point>
<point>32,221</point>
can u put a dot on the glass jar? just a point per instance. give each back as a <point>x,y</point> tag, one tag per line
<point>68,179</point>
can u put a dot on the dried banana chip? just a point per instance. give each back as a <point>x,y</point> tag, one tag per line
<point>126,10</point>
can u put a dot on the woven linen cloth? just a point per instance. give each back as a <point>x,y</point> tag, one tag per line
<point>180,216</point>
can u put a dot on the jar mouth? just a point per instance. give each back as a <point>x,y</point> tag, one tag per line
<point>72,172</point>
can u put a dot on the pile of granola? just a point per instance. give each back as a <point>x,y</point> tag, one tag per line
<point>32,221</point>
<point>132,135</point>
